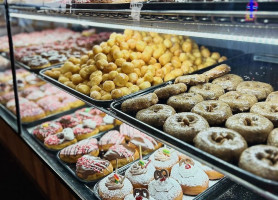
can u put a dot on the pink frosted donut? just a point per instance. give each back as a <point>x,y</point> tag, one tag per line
<point>69,121</point>
<point>128,131</point>
<point>111,138</point>
<point>46,129</point>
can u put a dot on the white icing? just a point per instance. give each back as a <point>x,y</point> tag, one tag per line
<point>89,123</point>
<point>79,126</point>
<point>108,119</point>
<point>68,134</point>
<point>203,167</point>
<point>131,197</point>
<point>173,159</point>
<point>31,79</point>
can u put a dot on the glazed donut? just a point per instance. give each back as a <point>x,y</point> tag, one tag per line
<point>139,103</point>
<point>217,71</point>
<point>268,110</point>
<point>155,115</point>
<point>253,127</point>
<point>215,112</point>
<point>259,89</point>
<point>128,131</point>
<point>272,139</point>
<point>46,129</point>
<point>208,91</point>
<point>272,97</point>
<point>261,160</point>
<point>193,79</point>
<point>170,90</point>
<point>184,102</point>
<point>229,82</point>
<point>238,102</point>
<point>221,142</point>
<point>185,126</point>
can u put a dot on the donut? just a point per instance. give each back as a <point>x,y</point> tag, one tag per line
<point>35,96</point>
<point>51,106</point>
<point>85,130</point>
<point>259,89</point>
<point>261,160</point>
<point>73,152</point>
<point>72,102</point>
<point>164,158</point>
<point>88,113</point>
<point>121,152</point>
<point>60,140</point>
<point>212,174</point>
<point>107,122</point>
<point>38,63</point>
<point>29,90</point>
<point>139,103</point>
<point>253,127</point>
<point>46,129</point>
<point>268,110</point>
<point>215,112</point>
<point>272,97</point>
<point>208,91</point>
<point>4,88</point>
<point>217,71</point>
<point>11,103</point>
<point>110,189</point>
<point>128,132</point>
<point>155,115</point>
<point>55,59</point>
<point>139,193</point>
<point>30,111</point>
<point>32,79</point>
<point>229,82</point>
<point>194,79</point>
<point>184,102</point>
<point>221,142</point>
<point>6,97</point>
<point>272,139</point>
<point>170,90</point>
<point>192,179</point>
<point>69,121</point>
<point>239,102</point>
<point>92,168</point>
<point>109,139</point>
<point>140,175</point>
<point>185,125</point>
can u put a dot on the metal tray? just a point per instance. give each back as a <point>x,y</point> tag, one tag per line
<point>36,71</point>
<point>250,67</point>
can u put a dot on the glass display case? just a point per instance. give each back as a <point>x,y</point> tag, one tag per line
<point>195,79</point>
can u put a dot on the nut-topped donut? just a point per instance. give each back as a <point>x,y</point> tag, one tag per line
<point>253,127</point>
<point>229,82</point>
<point>155,115</point>
<point>272,97</point>
<point>217,71</point>
<point>215,112</point>
<point>208,91</point>
<point>268,110</point>
<point>193,79</point>
<point>185,126</point>
<point>261,160</point>
<point>170,90</point>
<point>259,89</point>
<point>238,102</point>
<point>184,102</point>
<point>221,142</point>
<point>272,139</point>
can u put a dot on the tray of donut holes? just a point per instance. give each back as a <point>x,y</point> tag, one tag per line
<point>229,112</point>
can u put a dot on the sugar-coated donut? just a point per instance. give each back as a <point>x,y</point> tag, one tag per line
<point>46,129</point>
<point>109,139</point>
<point>208,91</point>
<point>212,174</point>
<point>272,139</point>
<point>170,90</point>
<point>217,71</point>
<point>184,102</point>
<point>193,79</point>
<point>229,82</point>
<point>268,110</point>
<point>272,97</point>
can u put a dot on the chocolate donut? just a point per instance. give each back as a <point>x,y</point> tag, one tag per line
<point>272,139</point>
<point>239,102</point>
<point>215,112</point>
<point>228,82</point>
<point>208,91</point>
<point>184,102</point>
<point>268,110</point>
<point>217,71</point>
<point>170,90</point>
<point>261,160</point>
<point>155,115</point>
<point>221,142</point>
<point>272,97</point>
<point>259,89</point>
<point>193,79</point>
<point>253,127</point>
<point>185,126</point>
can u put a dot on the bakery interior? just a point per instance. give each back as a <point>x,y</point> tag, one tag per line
<point>162,99</point>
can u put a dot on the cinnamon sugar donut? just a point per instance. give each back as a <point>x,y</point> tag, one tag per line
<point>170,90</point>
<point>268,110</point>
<point>272,97</point>
<point>46,129</point>
<point>208,91</point>
<point>215,112</point>
<point>228,82</point>
<point>217,71</point>
<point>253,127</point>
<point>185,126</point>
<point>221,142</point>
<point>193,79</point>
<point>259,89</point>
<point>272,139</point>
<point>261,160</point>
<point>155,115</point>
<point>184,102</point>
<point>239,102</point>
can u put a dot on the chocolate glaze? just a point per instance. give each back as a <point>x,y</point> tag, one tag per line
<point>111,154</point>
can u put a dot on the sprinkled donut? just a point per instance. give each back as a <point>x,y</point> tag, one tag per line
<point>46,129</point>
<point>85,130</point>
<point>268,110</point>
<point>128,131</point>
<point>69,121</point>
<point>30,111</point>
<point>170,90</point>
<point>35,96</point>
<point>51,105</point>
<point>184,102</point>
<point>109,139</point>
<point>229,82</point>
<point>208,91</point>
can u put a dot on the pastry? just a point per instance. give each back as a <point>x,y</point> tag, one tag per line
<point>73,152</point>
<point>72,102</point>
<point>239,102</point>
<point>272,139</point>
<point>139,194</point>
<point>46,129</point>
<point>212,174</point>
<point>221,142</point>
<point>259,89</point>
<point>4,88</point>
<point>128,131</point>
<point>185,125</point>
<point>229,82</point>
<point>268,110</point>
<point>139,103</point>
<point>51,105</point>
<point>11,104</point>
<point>155,115</point>
<point>85,130</point>
<point>35,96</point>
<point>272,97</point>
<point>208,91</point>
<point>110,139</point>
<point>170,90</point>
<point>253,127</point>
<point>69,121</point>
<point>6,97</point>
<point>193,79</point>
<point>30,111</point>
<point>261,160</point>
<point>184,102</point>
<point>29,90</point>
<point>92,168</point>
<point>217,71</point>
<point>32,79</point>
<point>107,123</point>
<point>215,112</point>
<point>121,152</point>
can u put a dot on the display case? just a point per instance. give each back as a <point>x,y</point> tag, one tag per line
<point>122,58</point>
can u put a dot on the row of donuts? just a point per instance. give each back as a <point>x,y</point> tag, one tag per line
<point>210,106</point>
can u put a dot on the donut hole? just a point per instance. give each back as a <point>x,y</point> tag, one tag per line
<point>211,107</point>
<point>221,137</point>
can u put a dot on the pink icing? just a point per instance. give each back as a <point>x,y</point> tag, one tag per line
<point>112,137</point>
<point>52,140</point>
<point>88,162</point>
<point>121,150</point>
<point>82,147</point>
<point>68,121</point>
<point>129,131</point>
<point>98,120</point>
<point>81,131</point>
<point>51,129</point>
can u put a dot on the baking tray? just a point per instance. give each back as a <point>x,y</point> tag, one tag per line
<point>36,71</point>
<point>249,67</point>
